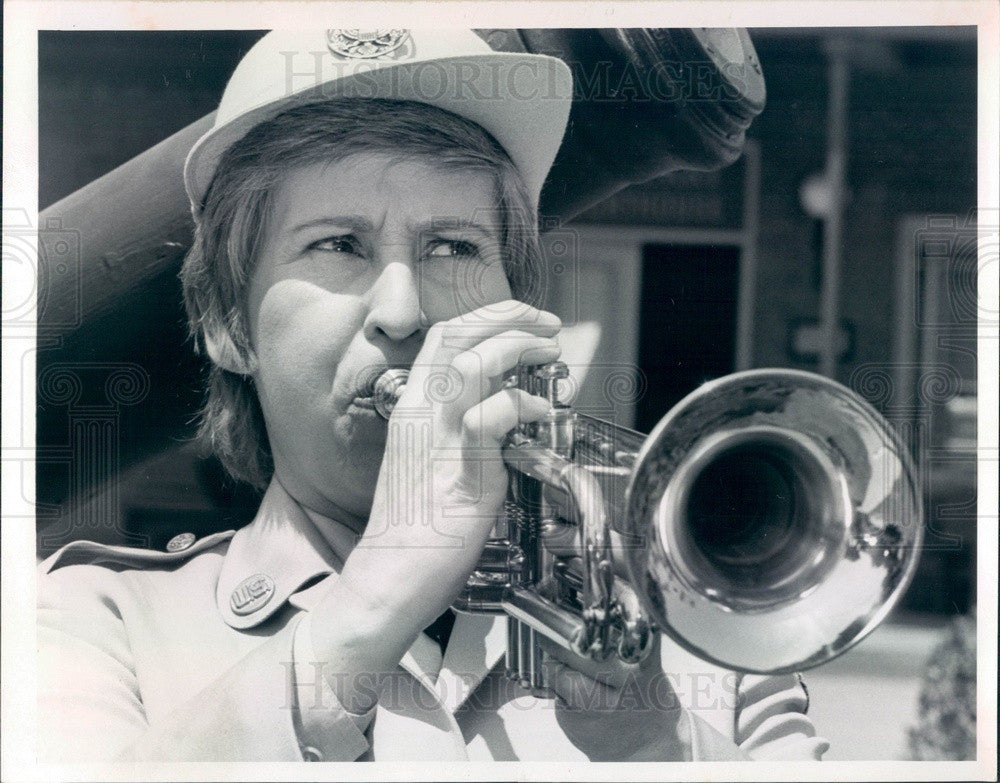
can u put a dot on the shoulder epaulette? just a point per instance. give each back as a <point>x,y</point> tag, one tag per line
<point>120,557</point>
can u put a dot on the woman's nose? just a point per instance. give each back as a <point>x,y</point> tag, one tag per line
<point>394,310</point>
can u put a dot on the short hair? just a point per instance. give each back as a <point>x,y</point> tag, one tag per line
<point>230,229</point>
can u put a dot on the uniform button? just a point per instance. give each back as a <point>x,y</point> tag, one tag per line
<point>180,542</point>
<point>309,753</point>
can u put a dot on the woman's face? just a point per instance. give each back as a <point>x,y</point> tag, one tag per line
<point>359,258</point>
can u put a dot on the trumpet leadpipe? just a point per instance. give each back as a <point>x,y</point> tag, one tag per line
<point>542,381</point>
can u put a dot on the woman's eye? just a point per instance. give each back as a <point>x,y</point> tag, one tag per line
<point>342,244</point>
<point>452,248</point>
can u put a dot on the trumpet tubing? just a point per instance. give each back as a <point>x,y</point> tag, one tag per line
<point>768,523</point>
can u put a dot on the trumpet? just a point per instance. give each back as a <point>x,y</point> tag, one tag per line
<point>769,522</point>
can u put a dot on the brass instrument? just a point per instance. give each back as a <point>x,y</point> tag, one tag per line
<point>769,522</point>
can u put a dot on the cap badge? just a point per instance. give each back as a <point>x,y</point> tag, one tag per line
<point>366,44</point>
<point>251,594</point>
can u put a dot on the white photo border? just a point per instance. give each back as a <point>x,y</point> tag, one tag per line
<point>22,21</point>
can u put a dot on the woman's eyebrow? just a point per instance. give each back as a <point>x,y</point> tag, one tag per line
<point>351,222</point>
<point>454,224</point>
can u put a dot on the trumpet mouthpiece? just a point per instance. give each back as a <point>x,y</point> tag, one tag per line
<point>387,389</point>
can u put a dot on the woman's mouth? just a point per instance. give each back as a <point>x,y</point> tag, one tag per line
<point>364,402</point>
<point>381,389</point>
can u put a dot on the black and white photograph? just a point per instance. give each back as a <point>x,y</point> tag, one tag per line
<point>599,388</point>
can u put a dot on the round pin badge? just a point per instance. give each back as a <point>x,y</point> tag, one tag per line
<point>365,44</point>
<point>251,594</point>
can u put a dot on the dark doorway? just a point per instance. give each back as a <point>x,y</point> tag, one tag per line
<point>687,322</point>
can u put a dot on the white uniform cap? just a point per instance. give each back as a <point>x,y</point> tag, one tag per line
<point>522,100</point>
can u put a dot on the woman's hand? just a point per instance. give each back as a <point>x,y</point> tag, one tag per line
<point>442,483</point>
<point>615,711</point>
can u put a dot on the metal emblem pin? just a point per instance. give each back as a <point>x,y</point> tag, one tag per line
<point>180,542</point>
<point>251,594</point>
<point>365,44</point>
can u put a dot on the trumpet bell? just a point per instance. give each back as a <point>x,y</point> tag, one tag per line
<point>772,521</point>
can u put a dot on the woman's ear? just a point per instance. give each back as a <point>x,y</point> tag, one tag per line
<point>223,351</point>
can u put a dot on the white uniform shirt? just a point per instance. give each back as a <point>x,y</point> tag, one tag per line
<point>202,654</point>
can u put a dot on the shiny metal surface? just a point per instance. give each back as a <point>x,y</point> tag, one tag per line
<point>387,388</point>
<point>768,523</point>
<point>809,598</point>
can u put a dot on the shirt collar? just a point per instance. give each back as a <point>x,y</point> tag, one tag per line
<point>269,560</point>
<point>272,557</point>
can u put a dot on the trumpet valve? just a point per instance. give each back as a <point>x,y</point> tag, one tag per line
<point>549,375</point>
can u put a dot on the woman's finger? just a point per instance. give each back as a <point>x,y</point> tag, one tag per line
<point>753,713</point>
<point>478,368</point>
<point>498,354</point>
<point>777,727</point>
<point>469,329</point>
<point>578,691</point>
<point>611,671</point>
<point>484,426</point>
<point>756,687</point>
